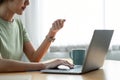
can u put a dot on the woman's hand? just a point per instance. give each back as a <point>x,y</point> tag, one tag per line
<point>55,63</point>
<point>56,26</point>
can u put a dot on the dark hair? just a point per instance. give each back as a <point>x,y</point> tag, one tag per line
<point>1,1</point>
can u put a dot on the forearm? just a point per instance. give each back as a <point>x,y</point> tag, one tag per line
<point>42,50</point>
<point>36,56</point>
<point>7,65</point>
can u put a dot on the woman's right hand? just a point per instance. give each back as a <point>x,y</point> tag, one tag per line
<point>57,62</point>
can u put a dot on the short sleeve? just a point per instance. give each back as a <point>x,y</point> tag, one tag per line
<point>0,56</point>
<point>25,35</point>
<point>23,29</point>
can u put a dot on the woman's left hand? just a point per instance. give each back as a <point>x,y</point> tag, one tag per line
<point>56,26</point>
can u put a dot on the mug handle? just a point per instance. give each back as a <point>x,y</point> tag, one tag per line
<point>71,55</point>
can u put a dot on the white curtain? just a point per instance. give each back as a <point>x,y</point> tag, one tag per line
<point>112,19</point>
<point>32,19</point>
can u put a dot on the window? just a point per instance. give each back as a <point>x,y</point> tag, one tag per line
<point>112,18</point>
<point>82,17</point>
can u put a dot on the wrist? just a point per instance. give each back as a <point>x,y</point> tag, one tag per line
<point>46,66</point>
<point>52,33</point>
<point>50,38</point>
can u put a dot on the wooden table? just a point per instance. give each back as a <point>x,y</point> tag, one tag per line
<point>110,71</point>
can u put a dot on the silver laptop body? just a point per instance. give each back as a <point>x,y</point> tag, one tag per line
<point>95,54</point>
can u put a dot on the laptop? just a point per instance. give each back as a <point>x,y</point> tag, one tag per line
<point>95,54</point>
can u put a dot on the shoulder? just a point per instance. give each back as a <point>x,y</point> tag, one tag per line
<point>17,19</point>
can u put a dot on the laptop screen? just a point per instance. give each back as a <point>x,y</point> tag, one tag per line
<point>97,50</point>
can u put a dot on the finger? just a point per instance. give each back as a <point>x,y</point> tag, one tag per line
<point>62,22</point>
<point>54,25</point>
<point>68,64</point>
<point>58,24</point>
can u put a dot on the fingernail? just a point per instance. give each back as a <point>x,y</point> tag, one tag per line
<point>63,19</point>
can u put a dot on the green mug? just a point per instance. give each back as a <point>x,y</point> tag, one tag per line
<point>77,55</point>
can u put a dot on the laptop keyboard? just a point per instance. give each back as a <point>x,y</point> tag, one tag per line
<point>76,68</point>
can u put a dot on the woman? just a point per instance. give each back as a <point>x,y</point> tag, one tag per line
<point>14,40</point>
